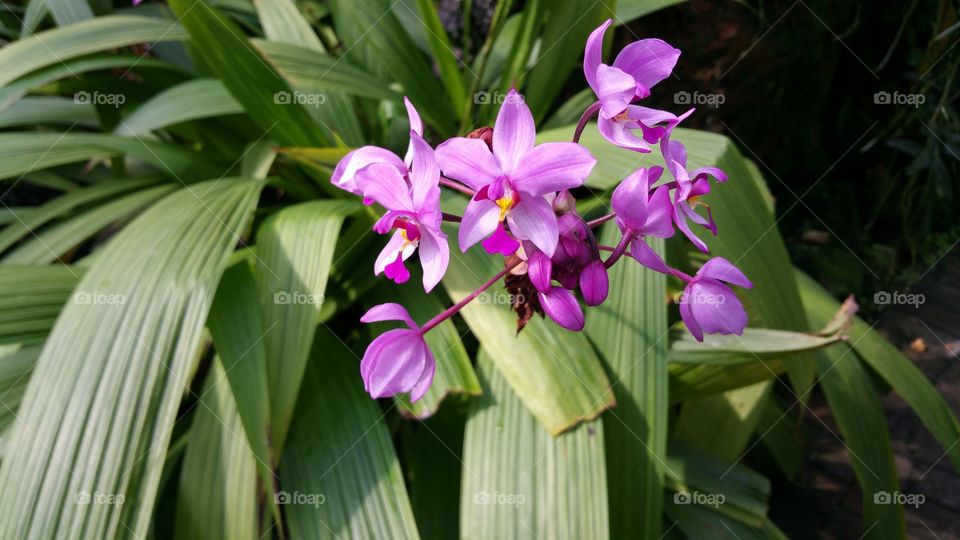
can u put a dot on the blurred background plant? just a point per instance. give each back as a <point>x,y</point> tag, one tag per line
<point>181,284</point>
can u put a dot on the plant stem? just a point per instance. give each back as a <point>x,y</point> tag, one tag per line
<point>452,310</point>
<point>584,118</point>
<point>594,223</point>
<point>621,248</point>
<point>452,184</point>
<point>451,217</point>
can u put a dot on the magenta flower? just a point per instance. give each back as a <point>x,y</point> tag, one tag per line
<point>561,305</point>
<point>397,361</point>
<point>511,181</point>
<point>345,174</point>
<point>708,305</point>
<point>637,68</point>
<point>643,212</point>
<point>690,187</point>
<point>413,211</point>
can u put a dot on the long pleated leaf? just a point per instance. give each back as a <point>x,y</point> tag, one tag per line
<point>340,476</point>
<point>31,299</point>
<point>197,98</point>
<point>102,401</point>
<point>519,481</point>
<point>552,370</point>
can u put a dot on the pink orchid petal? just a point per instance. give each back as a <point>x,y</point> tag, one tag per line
<point>384,184</point>
<point>416,126</point>
<point>594,283</point>
<point>389,253</point>
<point>513,132</point>
<point>593,54</point>
<point>434,257</point>
<point>659,220</point>
<point>539,269</point>
<point>686,313</point>
<point>562,307</point>
<point>649,61</point>
<point>681,221</point>
<point>425,174</point>
<point>553,166</point>
<point>645,255</point>
<point>393,363</point>
<point>344,175</point>
<point>469,161</point>
<point>723,270</point>
<point>533,219</point>
<point>390,311</point>
<point>397,271</point>
<point>426,378</point>
<point>500,242</point>
<point>714,306</point>
<point>615,90</point>
<point>479,221</point>
<point>621,134</point>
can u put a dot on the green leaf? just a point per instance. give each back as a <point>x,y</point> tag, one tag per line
<point>191,100</point>
<point>94,35</point>
<point>218,483</point>
<point>43,214</point>
<point>855,406</point>
<point>898,371</point>
<point>282,22</point>
<point>112,372</point>
<point>702,380</point>
<point>561,46</point>
<point>16,363</point>
<point>25,152</point>
<point>52,243</point>
<point>454,372</point>
<point>519,482</point>
<point>34,110</point>
<point>294,252</point>
<point>629,331</point>
<point>628,10</point>
<point>31,299</point>
<point>224,49</point>
<point>375,40</point>
<point>340,473</point>
<point>559,379</point>
<point>756,344</point>
<point>442,53</point>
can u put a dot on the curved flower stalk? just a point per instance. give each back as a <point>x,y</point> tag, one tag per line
<point>521,207</point>
<point>635,71</point>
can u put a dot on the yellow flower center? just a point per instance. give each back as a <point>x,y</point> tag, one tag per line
<point>505,203</point>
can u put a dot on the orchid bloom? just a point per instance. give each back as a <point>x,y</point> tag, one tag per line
<point>643,212</point>
<point>397,361</point>
<point>637,68</point>
<point>708,305</point>
<point>345,174</point>
<point>511,181</point>
<point>413,211</point>
<point>690,187</point>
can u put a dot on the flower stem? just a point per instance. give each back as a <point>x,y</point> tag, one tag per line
<point>451,217</point>
<point>584,118</point>
<point>452,310</point>
<point>452,184</point>
<point>621,248</point>
<point>594,223</point>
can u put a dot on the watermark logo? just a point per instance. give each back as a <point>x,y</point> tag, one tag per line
<point>298,298</point>
<point>696,497</point>
<point>896,298</point>
<point>702,299</point>
<point>698,98</point>
<point>495,98</point>
<point>97,298</point>
<point>86,498</point>
<point>903,499</point>
<point>299,98</point>
<point>495,497</point>
<point>97,98</point>
<point>309,499</point>
<point>501,298</point>
<point>897,98</point>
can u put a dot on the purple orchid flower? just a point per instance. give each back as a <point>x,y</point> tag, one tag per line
<point>413,211</point>
<point>345,174</point>
<point>511,181</point>
<point>643,212</point>
<point>708,305</point>
<point>690,186</point>
<point>637,68</point>
<point>397,361</point>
